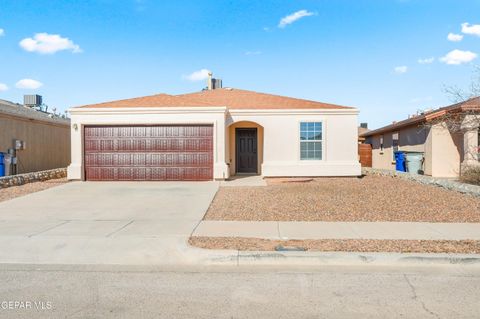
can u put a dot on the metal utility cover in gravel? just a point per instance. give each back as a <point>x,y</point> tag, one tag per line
<point>351,245</point>
<point>371,198</point>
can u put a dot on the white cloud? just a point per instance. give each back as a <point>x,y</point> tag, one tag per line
<point>197,75</point>
<point>291,18</point>
<point>45,43</point>
<point>454,37</point>
<point>401,69</point>
<point>3,87</point>
<point>473,29</point>
<point>426,60</point>
<point>2,32</point>
<point>253,52</point>
<point>457,57</point>
<point>28,84</point>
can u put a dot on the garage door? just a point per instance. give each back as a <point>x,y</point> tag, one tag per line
<point>149,153</point>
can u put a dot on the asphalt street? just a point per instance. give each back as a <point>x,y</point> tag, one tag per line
<point>29,291</point>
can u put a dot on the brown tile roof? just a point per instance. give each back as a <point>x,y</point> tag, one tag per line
<point>243,99</point>
<point>231,98</point>
<point>472,104</point>
<point>158,100</point>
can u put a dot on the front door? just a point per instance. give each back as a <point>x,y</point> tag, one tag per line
<point>246,149</point>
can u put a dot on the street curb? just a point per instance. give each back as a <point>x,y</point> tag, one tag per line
<point>253,258</point>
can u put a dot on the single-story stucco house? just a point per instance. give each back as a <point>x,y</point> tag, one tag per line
<point>212,134</point>
<point>446,147</point>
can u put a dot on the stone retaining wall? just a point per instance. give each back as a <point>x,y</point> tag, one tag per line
<point>428,180</point>
<point>20,179</point>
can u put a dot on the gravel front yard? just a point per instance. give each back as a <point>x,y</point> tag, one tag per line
<point>348,245</point>
<point>17,191</point>
<point>371,198</point>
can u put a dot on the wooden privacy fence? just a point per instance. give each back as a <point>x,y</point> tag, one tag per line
<point>365,154</point>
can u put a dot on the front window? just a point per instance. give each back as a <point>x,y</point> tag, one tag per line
<point>394,144</point>
<point>311,140</point>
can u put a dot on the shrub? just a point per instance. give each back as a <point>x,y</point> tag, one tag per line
<point>471,175</point>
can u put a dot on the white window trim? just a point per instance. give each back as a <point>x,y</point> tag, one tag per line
<point>299,154</point>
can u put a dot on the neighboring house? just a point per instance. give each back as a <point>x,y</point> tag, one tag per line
<point>212,134</point>
<point>39,140</point>
<point>445,152</point>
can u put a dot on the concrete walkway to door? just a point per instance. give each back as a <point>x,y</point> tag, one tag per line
<point>105,223</point>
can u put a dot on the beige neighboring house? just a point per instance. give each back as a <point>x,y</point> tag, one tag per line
<point>212,134</point>
<point>445,153</point>
<point>40,141</point>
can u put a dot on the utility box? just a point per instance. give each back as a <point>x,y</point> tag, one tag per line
<point>17,144</point>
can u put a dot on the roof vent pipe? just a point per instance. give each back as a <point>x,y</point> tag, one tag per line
<point>209,81</point>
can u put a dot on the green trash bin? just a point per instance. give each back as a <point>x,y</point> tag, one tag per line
<point>414,162</point>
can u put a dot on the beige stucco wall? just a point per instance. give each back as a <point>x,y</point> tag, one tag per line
<point>231,147</point>
<point>47,144</point>
<point>428,161</point>
<point>281,136</point>
<point>382,159</point>
<point>446,150</point>
<point>470,154</point>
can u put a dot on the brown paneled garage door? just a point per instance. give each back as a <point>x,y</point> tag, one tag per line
<point>149,153</point>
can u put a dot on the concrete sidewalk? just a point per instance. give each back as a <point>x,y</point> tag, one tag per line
<point>339,230</point>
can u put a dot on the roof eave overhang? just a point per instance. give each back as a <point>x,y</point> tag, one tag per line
<point>392,128</point>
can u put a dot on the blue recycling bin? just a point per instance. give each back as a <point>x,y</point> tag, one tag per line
<point>2,165</point>
<point>400,161</point>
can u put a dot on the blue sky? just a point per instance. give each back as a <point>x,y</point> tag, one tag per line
<point>362,53</point>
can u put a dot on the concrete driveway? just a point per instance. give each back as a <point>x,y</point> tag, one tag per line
<point>104,223</point>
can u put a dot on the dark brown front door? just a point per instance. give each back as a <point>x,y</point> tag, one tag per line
<point>142,153</point>
<point>246,149</point>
